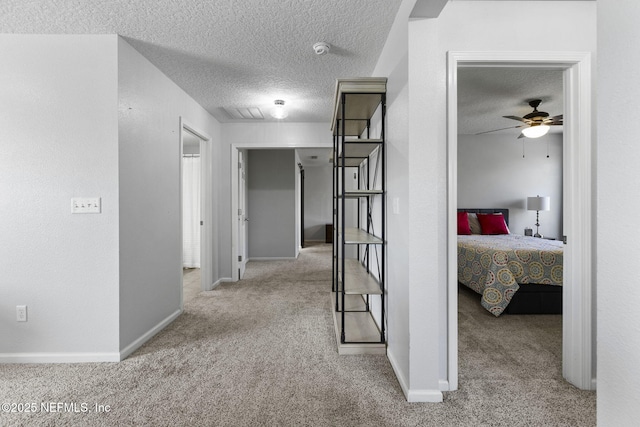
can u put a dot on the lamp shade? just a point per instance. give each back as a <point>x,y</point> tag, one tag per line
<point>538,203</point>
<point>535,131</point>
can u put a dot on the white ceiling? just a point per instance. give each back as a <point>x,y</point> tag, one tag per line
<point>310,157</point>
<point>237,54</point>
<point>487,94</point>
<point>231,53</point>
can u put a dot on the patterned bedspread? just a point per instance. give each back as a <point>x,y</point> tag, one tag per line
<point>494,266</point>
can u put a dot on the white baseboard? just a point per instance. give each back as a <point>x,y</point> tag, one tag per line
<point>87,357</point>
<point>401,379</point>
<point>58,357</point>
<point>413,396</point>
<point>444,385</point>
<point>425,396</point>
<point>219,282</point>
<point>126,352</point>
<point>272,258</point>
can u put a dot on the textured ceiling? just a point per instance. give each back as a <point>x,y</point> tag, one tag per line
<point>487,94</point>
<point>231,53</point>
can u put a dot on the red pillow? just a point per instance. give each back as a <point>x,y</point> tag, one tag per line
<point>493,224</point>
<point>463,223</point>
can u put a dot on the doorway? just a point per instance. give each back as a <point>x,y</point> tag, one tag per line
<point>236,149</point>
<point>196,158</point>
<point>578,328</point>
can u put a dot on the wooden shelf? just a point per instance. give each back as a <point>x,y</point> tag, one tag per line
<point>353,194</point>
<point>357,151</point>
<point>355,236</point>
<point>359,106</point>
<point>358,280</point>
<point>361,332</point>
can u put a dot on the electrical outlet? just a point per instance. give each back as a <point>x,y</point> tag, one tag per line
<point>21,313</point>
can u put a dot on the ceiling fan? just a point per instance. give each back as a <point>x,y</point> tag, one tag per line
<point>536,124</point>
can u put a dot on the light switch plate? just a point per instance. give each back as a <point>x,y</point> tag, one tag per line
<point>81,205</point>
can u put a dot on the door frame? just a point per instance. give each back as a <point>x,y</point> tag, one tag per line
<point>242,217</point>
<point>206,206</point>
<point>578,327</point>
<point>234,183</point>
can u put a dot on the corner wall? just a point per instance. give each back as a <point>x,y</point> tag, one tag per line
<point>150,107</point>
<point>414,59</point>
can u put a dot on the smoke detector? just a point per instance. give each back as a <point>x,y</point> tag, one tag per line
<point>321,48</point>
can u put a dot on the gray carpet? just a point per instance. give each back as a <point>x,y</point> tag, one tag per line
<point>262,352</point>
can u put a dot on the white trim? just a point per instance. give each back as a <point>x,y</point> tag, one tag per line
<point>578,306</point>
<point>220,281</point>
<point>58,357</point>
<point>128,350</point>
<point>401,379</point>
<point>89,357</point>
<point>425,396</point>
<point>413,396</point>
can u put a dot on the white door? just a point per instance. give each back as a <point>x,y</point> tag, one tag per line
<point>242,217</point>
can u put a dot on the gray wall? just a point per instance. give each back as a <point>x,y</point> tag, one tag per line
<point>317,201</point>
<point>149,176</point>
<point>272,204</point>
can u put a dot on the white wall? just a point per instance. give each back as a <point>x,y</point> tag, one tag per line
<point>87,116</point>
<point>58,140</point>
<point>618,203</point>
<point>493,174</point>
<point>418,161</point>
<point>272,204</point>
<point>149,178</point>
<point>393,63</point>
<point>318,204</point>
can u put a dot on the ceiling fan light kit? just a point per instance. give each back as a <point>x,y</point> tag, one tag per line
<point>536,131</point>
<point>535,124</point>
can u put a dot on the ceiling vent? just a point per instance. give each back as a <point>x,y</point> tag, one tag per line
<point>248,113</point>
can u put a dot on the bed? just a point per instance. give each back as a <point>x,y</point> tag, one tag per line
<point>514,274</point>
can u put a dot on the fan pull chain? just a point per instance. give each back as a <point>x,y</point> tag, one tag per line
<point>523,148</point>
<point>547,148</point>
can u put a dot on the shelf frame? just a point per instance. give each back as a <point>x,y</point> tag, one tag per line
<point>357,100</point>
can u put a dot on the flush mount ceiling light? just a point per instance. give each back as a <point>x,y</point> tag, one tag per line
<point>278,111</point>
<point>321,48</point>
<point>535,131</point>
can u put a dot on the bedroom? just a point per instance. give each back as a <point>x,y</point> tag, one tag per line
<point>499,170</point>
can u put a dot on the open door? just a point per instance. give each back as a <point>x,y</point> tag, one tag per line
<point>242,217</point>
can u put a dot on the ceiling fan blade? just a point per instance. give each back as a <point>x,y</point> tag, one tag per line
<point>556,118</point>
<point>496,130</point>
<point>554,124</point>
<point>520,119</point>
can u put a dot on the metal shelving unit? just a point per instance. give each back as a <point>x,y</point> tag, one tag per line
<point>359,221</point>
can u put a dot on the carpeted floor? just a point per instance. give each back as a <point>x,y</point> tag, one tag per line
<point>261,352</point>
